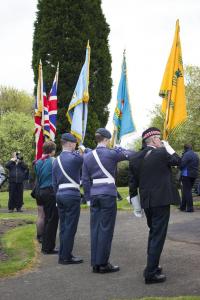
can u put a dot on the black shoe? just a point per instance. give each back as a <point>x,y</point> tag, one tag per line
<point>49,252</point>
<point>181,208</point>
<point>19,210</point>
<point>190,210</point>
<point>157,278</point>
<point>73,260</point>
<point>95,269</point>
<point>159,270</point>
<point>108,268</point>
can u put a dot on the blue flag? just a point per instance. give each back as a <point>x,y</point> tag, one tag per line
<point>78,107</point>
<point>122,116</point>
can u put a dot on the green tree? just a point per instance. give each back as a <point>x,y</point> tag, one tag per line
<point>16,134</point>
<point>62,29</point>
<point>12,99</point>
<point>189,132</point>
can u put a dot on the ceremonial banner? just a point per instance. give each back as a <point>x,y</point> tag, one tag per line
<point>45,119</point>
<point>53,106</point>
<point>39,138</point>
<point>172,88</point>
<point>78,107</point>
<point>122,118</point>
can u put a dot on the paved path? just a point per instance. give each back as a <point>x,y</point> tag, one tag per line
<point>180,260</point>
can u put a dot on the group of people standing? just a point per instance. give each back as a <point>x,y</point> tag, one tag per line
<point>149,173</point>
<point>151,191</point>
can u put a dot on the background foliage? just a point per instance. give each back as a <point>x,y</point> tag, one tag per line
<point>62,29</point>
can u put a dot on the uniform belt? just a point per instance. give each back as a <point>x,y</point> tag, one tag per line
<point>69,185</point>
<point>103,180</point>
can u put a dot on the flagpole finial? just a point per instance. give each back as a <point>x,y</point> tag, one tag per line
<point>40,63</point>
<point>88,44</point>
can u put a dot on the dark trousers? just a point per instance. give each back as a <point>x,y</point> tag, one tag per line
<point>69,212</point>
<point>102,222</point>
<point>15,195</point>
<point>157,221</point>
<point>187,201</point>
<point>51,219</point>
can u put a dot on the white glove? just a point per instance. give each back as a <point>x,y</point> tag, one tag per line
<point>168,148</point>
<point>138,211</point>
<point>88,203</point>
<point>82,148</point>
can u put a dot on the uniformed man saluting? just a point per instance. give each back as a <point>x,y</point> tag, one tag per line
<point>66,184</point>
<point>150,171</point>
<point>98,181</point>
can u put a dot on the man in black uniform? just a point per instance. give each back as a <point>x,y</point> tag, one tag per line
<point>150,171</point>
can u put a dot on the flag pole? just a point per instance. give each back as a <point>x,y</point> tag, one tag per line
<point>165,135</point>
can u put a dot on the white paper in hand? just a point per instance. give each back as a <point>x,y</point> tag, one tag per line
<point>138,211</point>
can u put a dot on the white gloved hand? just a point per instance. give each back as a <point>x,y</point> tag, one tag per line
<point>88,203</point>
<point>81,148</point>
<point>168,148</point>
<point>138,211</point>
<point>128,199</point>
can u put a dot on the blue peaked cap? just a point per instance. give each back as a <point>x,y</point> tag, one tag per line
<point>104,132</point>
<point>68,137</point>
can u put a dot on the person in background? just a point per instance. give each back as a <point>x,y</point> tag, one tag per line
<point>66,184</point>
<point>189,172</point>
<point>43,169</point>
<point>17,174</point>
<point>2,174</point>
<point>98,179</point>
<point>150,171</point>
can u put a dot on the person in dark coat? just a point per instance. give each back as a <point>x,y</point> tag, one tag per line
<point>189,172</point>
<point>150,171</point>
<point>66,184</point>
<point>18,171</point>
<point>98,179</point>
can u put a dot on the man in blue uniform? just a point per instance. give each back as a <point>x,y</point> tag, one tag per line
<point>98,181</point>
<point>66,184</point>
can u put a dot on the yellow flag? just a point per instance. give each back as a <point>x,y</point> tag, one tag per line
<point>172,88</point>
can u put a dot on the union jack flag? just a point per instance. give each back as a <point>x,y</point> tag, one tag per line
<point>52,106</point>
<point>46,121</point>
<point>39,137</point>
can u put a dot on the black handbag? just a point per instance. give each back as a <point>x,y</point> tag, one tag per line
<point>35,193</point>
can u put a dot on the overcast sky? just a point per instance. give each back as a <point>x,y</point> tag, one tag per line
<point>144,27</point>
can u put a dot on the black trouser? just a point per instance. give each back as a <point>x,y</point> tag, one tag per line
<point>15,195</point>
<point>48,200</point>
<point>157,221</point>
<point>102,222</point>
<point>187,201</point>
<point>69,212</point>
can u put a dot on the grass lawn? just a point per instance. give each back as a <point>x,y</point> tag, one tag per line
<point>20,247</point>
<point>29,202</point>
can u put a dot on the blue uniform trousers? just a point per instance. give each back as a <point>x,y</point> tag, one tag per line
<point>157,221</point>
<point>102,222</point>
<point>69,212</point>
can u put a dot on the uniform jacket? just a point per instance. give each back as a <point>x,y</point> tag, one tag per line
<point>72,164</point>
<point>17,172</point>
<point>152,175</point>
<point>189,164</point>
<point>91,170</point>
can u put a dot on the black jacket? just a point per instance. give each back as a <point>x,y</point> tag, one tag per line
<point>150,171</point>
<point>17,172</point>
<point>190,161</point>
